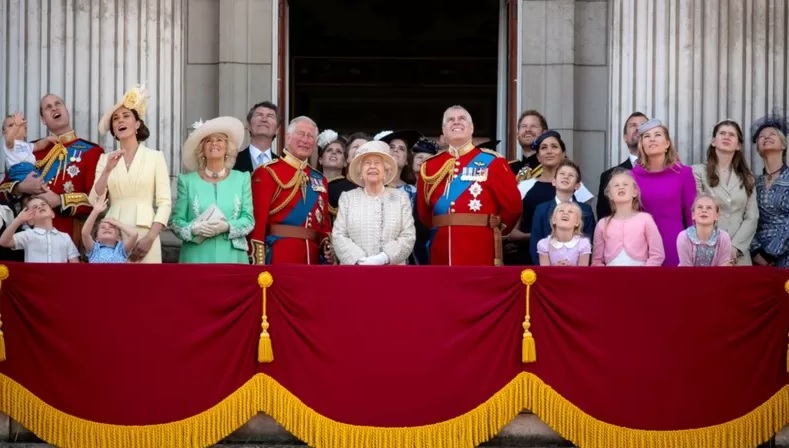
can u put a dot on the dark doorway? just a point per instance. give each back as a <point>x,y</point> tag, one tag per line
<point>371,65</point>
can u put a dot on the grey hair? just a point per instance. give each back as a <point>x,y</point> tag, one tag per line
<point>297,120</point>
<point>230,154</point>
<point>455,107</point>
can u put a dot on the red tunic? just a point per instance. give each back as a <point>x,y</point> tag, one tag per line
<point>478,182</point>
<point>69,169</point>
<point>291,206</point>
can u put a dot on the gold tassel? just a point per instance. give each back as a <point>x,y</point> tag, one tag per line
<point>265,352</point>
<point>3,276</point>
<point>529,353</point>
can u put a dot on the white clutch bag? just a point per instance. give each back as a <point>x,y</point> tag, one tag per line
<point>211,214</point>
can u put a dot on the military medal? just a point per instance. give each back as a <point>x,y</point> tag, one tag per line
<point>68,187</point>
<point>77,157</point>
<point>475,190</point>
<point>72,170</point>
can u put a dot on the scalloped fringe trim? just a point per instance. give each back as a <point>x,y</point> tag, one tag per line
<point>263,393</point>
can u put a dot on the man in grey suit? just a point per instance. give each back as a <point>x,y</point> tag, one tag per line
<point>263,122</point>
<point>631,140</point>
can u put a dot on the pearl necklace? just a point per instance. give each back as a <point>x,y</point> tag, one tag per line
<point>214,175</point>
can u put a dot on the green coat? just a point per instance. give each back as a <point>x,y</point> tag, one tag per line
<point>233,196</point>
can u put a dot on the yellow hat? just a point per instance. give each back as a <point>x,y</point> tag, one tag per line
<point>135,99</point>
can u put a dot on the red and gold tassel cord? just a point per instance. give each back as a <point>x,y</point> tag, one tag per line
<point>786,288</point>
<point>529,354</point>
<point>265,352</point>
<point>3,276</point>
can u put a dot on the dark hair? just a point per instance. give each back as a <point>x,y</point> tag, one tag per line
<point>534,113</point>
<point>535,145</point>
<point>142,132</point>
<point>738,164</point>
<point>630,117</point>
<point>571,164</point>
<point>407,175</point>
<point>267,105</point>
<point>355,136</point>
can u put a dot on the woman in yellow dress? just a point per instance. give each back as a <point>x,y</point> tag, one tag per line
<point>135,177</point>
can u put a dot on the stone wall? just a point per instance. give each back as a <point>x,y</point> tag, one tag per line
<point>564,75</point>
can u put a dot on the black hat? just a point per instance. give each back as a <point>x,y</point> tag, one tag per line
<point>535,145</point>
<point>410,137</point>
<point>426,146</point>
<point>490,144</point>
<point>775,120</point>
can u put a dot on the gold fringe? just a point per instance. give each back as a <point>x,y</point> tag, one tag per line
<point>3,276</point>
<point>529,346</point>
<point>60,429</point>
<point>263,393</point>
<point>265,351</point>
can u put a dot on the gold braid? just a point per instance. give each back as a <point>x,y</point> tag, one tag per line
<point>299,177</point>
<point>58,152</point>
<point>434,180</point>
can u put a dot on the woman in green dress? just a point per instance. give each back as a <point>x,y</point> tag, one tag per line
<point>213,211</point>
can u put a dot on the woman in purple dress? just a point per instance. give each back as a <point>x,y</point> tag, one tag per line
<point>668,187</point>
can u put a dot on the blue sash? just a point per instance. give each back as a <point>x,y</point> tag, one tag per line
<point>74,149</point>
<point>456,188</point>
<point>298,214</point>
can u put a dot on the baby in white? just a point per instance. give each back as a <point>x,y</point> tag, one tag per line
<point>19,157</point>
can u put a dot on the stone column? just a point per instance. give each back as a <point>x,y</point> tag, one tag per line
<point>564,75</point>
<point>693,63</point>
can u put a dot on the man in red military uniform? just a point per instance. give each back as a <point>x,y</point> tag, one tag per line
<point>66,171</point>
<point>468,196</point>
<point>291,203</point>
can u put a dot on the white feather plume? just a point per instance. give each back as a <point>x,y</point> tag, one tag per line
<point>197,124</point>
<point>326,137</point>
<point>381,135</point>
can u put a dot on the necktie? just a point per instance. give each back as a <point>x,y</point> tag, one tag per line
<point>262,158</point>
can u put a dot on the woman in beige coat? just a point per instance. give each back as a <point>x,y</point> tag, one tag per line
<point>728,179</point>
<point>135,177</point>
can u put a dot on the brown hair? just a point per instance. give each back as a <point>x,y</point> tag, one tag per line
<point>738,164</point>
<point>142,132</point>
<point>571,164</point>
<point>630,117</point>
<point>533,113</point>
<point>671,156</point>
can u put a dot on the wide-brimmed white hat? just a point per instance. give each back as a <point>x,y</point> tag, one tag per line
<point>372,148</point>
<point>230,126</point>
<point>135,98</point>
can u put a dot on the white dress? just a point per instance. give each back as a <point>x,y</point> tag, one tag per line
<point>368,225</point>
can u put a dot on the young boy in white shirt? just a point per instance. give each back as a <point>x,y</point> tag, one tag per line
<point>19,158</point>
<point>42,243</point>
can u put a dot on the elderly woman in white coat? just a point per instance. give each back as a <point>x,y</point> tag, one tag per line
<point>374,224</point>
<point>727,177</point>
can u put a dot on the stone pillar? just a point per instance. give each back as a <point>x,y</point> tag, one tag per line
<point>564,75</point>
<point>694,63</point>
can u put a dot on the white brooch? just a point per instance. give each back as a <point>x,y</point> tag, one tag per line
<point>197,124</point>
<point>475,205</point>
<point>72,170</point>
<point>68,187</point>
<point>475,189</point>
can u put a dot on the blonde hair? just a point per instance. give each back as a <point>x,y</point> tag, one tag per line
<point>701,196</point>
<point>671,157</point>
<point>577,231</point>
<point>636,203</point>
<point>230,154</point>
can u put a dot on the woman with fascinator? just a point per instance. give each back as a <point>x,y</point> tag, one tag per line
<point>332,155</point>
<point>134,177</point>
<point>375,223</point>
<point>213,212</point>
<point>770,246</point>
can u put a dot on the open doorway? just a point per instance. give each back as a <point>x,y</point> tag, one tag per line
<point>362,65</point>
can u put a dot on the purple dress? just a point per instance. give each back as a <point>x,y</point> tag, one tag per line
<point>668,196</point>
<point>570,251</point>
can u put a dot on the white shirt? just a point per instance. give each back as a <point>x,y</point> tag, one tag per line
<point>21,152</point>
<point>45,246</point>
<point>633,158</point>
<point>581,195</point>
<point>255,152</point>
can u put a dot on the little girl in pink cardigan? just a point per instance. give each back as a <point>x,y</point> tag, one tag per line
<point>629,237</point>
<point>704,244</point>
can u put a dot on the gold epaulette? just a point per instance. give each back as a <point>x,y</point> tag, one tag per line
<point>8,187</point>
<point>490,151</point>
<point>71,201</point>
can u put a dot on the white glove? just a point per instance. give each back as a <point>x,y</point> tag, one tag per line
<point>217,227</point>
<point>375,260</point>
<point>201,229</point>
